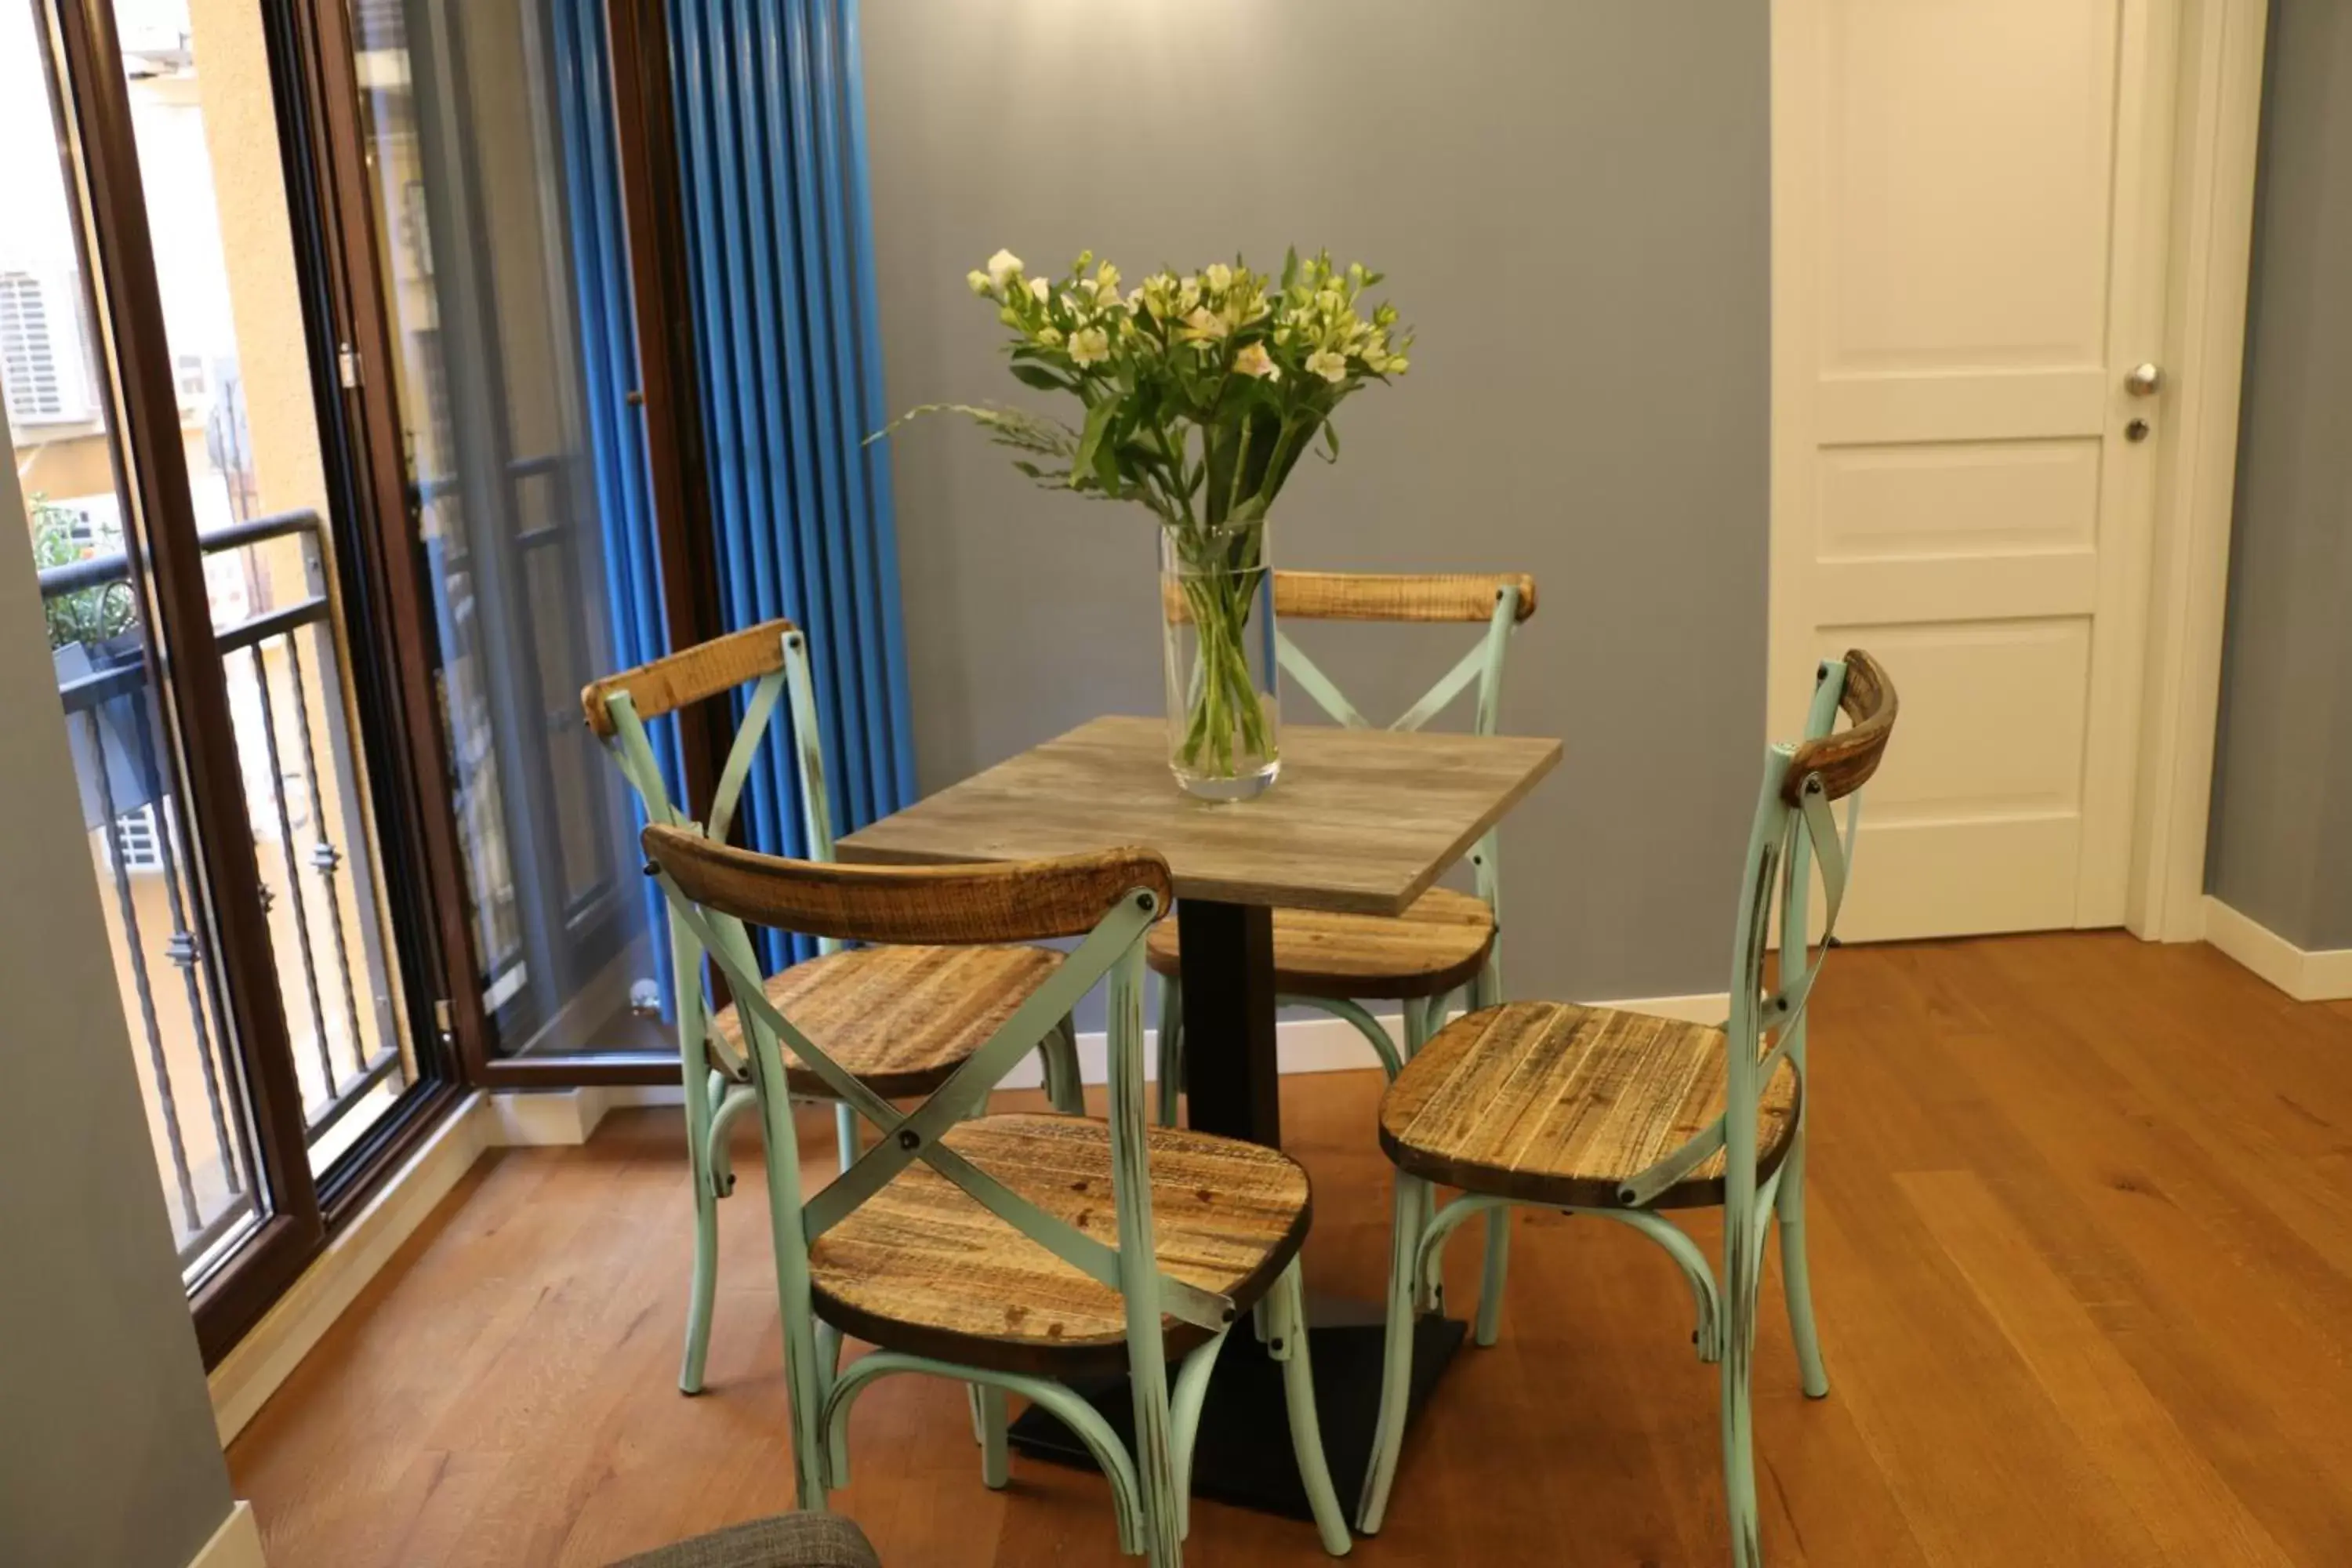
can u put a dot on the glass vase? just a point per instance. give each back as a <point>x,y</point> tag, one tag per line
<point>1216,659</point>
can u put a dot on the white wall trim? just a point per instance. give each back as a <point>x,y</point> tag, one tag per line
<point>2322,976</point>
<point>2218,126</point>
<point>251,1373</point>
<point>235,1544</point>
<point>551,1117</point>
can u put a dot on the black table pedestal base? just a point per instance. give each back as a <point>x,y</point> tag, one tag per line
<point>1243,1456</point>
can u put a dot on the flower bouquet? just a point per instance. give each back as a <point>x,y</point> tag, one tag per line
<point>1198,395</point>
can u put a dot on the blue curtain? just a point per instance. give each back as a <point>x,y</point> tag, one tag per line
<point>608,347</point>
<point>772,142</point>
<point>771,135</point>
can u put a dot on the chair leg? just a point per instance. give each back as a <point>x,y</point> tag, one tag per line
<point>1796,1274</point>
<point>1744,1257</point>
<point>845,1133</point>
<point>1164,1512</point>
<point>995,1460</point>
<point>1396,1372</point>
<point>703,1288</point>
<point>1487,991</point>
<point>1171,1046</point>
<point>1430,1291</point>
<point>716,1149</point>
<point>1065,1086</point>
<point>1287,1343</point>
<point>1490,1285</point>
<point>805,1365</point>
<point>979,1418</point>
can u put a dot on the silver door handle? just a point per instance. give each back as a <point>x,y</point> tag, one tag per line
<point>2146,380</point>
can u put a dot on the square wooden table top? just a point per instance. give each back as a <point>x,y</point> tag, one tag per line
<point>1362,821</point>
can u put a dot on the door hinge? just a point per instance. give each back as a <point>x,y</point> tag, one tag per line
<point>347,365</point>
<point>445,1021</point>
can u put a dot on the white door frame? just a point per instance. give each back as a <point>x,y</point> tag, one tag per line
<point>2218,120</point>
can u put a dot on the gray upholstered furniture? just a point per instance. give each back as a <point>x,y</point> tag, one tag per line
<point>787,1541</point>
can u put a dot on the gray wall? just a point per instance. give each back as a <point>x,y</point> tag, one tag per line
<point>109,1457</point>
<point>1571,203</point>
<point>2281,824</point>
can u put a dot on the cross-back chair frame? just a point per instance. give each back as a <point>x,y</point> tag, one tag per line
<point>1109,901</point>
<point>772,659</point>
<point>1498,601</point>
<point>1794,838</point>
<point>1501,603</point>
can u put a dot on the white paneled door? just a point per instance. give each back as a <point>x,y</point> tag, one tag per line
<point>1968,251</point>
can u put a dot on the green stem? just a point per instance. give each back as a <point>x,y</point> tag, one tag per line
<point>1219,586</point>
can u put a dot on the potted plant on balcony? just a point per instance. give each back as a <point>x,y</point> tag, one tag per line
<point>93,632</point>
<point>1198,393</point>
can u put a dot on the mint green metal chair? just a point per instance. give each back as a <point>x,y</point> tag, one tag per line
<point>1447,942</point>
<point>1621,1116</point>
<point>1012,1252</point>
<point>901,1022</point>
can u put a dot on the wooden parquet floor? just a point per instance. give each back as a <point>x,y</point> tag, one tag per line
<point>2081,1213</point>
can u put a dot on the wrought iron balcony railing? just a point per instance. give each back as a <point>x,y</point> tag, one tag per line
<point>271,595</point>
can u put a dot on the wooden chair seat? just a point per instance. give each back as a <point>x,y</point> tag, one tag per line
<point>922,1268</point>
<point>1555,1103</point>
<point>899,1019</point>
<point>1436,946</point>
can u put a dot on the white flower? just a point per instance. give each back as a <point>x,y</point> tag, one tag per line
<point>1089,345</point>
<point>1218,276</point>
<point>1001,266</point>
<point>979,281</point>
<point>1326,301</point>
<point>1255,361</point>
<point>1039,289</point>
<point>1205,323</point>
<point>1329,366</point>
<point>1050,336</point>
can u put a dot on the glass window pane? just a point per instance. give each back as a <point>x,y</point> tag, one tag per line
<point>134,807</point>
<point>200,101</point>
<point>486,229</point>
<point>199,82</point>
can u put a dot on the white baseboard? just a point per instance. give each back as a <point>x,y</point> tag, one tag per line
<point>541,1118</point>
<point>2322,976</point>
<point>250,1373</point>
<point>235,1544</point>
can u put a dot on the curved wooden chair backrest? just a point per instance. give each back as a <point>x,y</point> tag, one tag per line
<point>690,676</point>
<point>1499,601</point>
<point>773,659</point>
<point>1845,759</point>
<point>1420,596</point>
<point>1036,900</point>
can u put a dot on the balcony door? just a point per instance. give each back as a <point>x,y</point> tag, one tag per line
<point>502,175</point>
<point>164,391</point>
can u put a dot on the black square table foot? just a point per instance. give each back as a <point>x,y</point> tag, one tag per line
<point>1243,1455</point>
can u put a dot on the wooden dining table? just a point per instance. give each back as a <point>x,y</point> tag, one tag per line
<point>1360,822</point>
